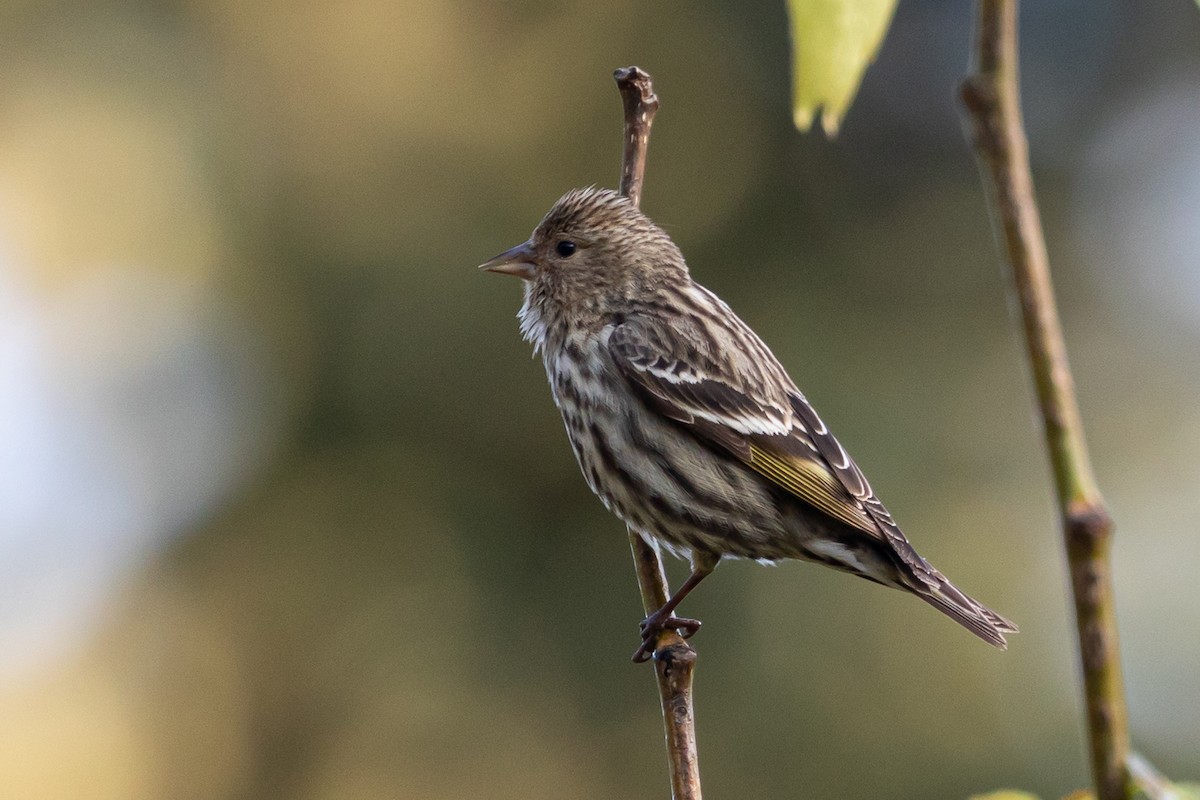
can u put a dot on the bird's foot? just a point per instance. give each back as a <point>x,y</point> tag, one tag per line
<point>655,624</point>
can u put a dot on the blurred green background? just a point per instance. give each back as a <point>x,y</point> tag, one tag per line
<point>286,510</point>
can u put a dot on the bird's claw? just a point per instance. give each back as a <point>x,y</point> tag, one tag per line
<point>653,625</point>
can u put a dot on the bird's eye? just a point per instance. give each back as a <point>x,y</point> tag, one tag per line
<point>566,248</point>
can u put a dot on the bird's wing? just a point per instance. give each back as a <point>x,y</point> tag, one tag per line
<point>752,411</point>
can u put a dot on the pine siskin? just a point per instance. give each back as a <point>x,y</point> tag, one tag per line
<point>686,426</point>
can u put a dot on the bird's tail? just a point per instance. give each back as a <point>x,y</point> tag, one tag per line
<point>971,614</point>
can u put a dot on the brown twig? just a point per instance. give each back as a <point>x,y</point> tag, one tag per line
<point>641,104</point>
<point>992,98</point>
<point>674,658</point>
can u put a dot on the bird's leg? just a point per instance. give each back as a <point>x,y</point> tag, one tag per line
<point>663,619</point>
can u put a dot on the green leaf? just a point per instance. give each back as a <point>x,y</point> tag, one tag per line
<point>833,41</point>
<point>1004,794</point>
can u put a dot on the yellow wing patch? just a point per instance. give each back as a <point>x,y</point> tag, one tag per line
<point>813,484</point>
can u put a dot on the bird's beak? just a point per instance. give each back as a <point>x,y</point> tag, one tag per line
<point>519,261</point>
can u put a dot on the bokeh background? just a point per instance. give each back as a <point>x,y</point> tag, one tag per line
<point>286,510</point>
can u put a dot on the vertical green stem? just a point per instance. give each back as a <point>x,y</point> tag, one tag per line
<point>992,98</point>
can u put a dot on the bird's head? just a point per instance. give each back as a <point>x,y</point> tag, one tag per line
<point>594,249</point>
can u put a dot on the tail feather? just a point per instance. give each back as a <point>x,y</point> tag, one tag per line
<point>972,615</point>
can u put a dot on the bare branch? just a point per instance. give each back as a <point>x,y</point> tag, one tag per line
<point>674,658</point>
<point>992,99</point>
<point>641,104</point>
<point>674,665</point>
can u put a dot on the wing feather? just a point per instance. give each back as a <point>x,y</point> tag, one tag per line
<point>748,407</point>
<point>761,425</point>
<point>811,482</point>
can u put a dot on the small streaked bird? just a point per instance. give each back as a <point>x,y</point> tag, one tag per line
<point>686,426</point>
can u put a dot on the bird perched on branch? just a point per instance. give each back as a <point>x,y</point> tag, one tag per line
<point>686,426</point>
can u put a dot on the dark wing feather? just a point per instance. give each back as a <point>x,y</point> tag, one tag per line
<point>748,407</point>
<point>852,478</point>
<point>755,415</point>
